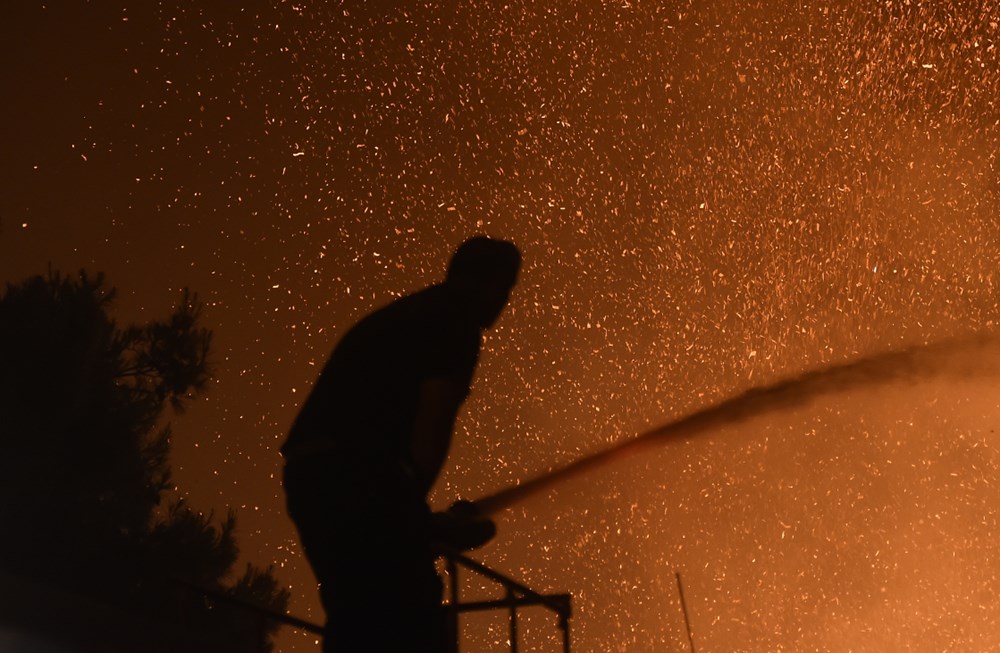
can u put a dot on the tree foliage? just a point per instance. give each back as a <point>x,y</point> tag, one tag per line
<point>85,448</point>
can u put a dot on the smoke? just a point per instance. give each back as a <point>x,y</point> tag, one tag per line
<point>963,358</point>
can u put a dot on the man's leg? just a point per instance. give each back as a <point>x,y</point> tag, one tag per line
<point>390,570</point>
<point>368,547</point>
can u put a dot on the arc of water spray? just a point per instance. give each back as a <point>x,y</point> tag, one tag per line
<point>969,357</point>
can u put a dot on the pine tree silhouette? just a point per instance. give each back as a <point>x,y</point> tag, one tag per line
<point>85,448</point>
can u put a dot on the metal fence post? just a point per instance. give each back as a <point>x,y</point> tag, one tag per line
<point>453,632</point>
<point>512,600</point>
<point>564,624</point>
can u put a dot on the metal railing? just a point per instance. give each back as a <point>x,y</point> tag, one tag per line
<point>260,612</point>
<point>516,596</point>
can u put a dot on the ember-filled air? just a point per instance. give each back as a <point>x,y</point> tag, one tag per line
<point>709,197</point>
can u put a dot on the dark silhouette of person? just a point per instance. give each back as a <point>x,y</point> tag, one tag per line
<point>369,443</point>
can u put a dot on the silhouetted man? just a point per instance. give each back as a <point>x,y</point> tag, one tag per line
<point>369,443</point>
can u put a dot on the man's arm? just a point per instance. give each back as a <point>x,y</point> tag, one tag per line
<point>437,407</point>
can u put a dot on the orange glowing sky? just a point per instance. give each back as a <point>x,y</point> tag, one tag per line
<point>709,196</point>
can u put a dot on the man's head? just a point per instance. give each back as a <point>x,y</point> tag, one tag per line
<point>484,270</point>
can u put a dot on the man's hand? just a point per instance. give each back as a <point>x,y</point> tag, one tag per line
<point>462,527</point>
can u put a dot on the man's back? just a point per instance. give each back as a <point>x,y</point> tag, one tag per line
<point>365,399</point>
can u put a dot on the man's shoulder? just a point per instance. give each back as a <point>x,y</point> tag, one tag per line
<point>399,314</point>
<point>432,298</point>
<point>425,329</point>
<point>433,308</point>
